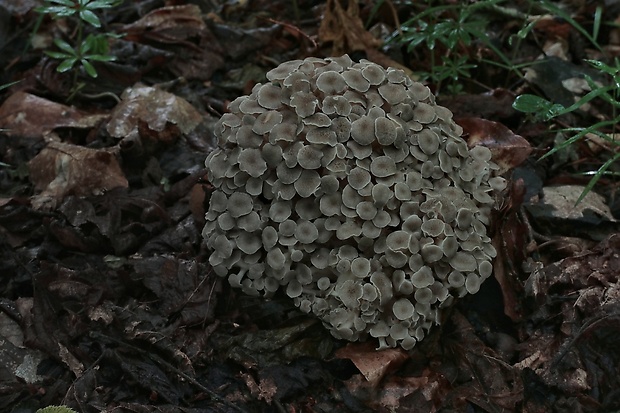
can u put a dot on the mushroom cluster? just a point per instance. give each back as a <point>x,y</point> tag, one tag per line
<point>346,186</point>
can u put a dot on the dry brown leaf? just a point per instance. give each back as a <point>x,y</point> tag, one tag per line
<point>61,169</point>
<point>30,116</point>
<point>344,28</point>
<point>164,115</point>
<point>197,51</point>
<point>373,364</point>
<point>508,149</point>
<point>172,24</point>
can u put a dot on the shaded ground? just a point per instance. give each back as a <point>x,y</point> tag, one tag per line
<point>107,299</point>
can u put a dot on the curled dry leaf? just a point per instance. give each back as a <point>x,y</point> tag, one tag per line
<point>30,116</point>
<point>61,169</point>
<point>508,149</point>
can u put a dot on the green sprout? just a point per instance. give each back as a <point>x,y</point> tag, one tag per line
<point>447,31</point>
<point>85,50</point>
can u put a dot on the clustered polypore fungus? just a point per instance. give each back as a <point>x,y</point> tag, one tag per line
<point>348,187</point>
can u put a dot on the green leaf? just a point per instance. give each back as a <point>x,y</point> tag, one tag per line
<point>535,104</point>
<point>610,70</point>
<point>522,34</point>
<point>57,11</point>
<point>601,171</point>
<point>58,55</point>
<point>102,4</point>
<point>566,16</point>
<point>8,85</point>
<point>64,46</point>
<point>90,18</point>
<point>66,65</point>
<point>85,47</point>
<point>67,3</point>
<point>90,69</point>
<point>598,14</point>
<point>100,57</point>
<point>56,409</point>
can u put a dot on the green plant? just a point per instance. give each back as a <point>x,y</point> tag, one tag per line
<point>84,50</point>
<point>448,31</point>
<point>56,409</point>
<point>542,109</point>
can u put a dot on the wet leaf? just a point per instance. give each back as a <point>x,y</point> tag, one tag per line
<point>29,116</point>
<point>374,365</point>
<point>167,24</point>
<point>165,115</point>
<point>61,169</point>
<point>537,105</point>
<point>509,150</point>
<point>197,52</point>
<point>493,105</point>
<point>562,210</point>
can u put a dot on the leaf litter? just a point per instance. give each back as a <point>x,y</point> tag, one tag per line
<point>108,301</point>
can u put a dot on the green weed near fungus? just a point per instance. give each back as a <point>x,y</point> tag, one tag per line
<point>448,31</point>
<point>543,110</point>
<point>82,51</point>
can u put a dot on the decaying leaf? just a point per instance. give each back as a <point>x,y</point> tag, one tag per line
<point>374,365</point>
<point>61,169</point>
<point>557,212</point>
<point>494,104</point>
<point>14,356</point>
<point>148,112</point>
<point>344,28</point>
<point>508,149</point>
<point>561,202</point>
<point>167,24</point>
<point>198,52</point>
<point>29,116</point>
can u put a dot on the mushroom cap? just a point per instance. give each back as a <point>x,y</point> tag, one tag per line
<point>346,186</point>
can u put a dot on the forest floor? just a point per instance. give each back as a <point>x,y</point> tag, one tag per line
<point>107,299</point>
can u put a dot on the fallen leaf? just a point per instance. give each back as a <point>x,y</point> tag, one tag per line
<point>557,212</point>
<point>147,113</point>
<point>172,24</point>
<point>61,169</point>
<point>495,104</point>
<point>198,53</point>
<point>29,116</point>
<point>508,149</point>
<point>561,202</point>
<point>373,364</point>
<point>345,29</point>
